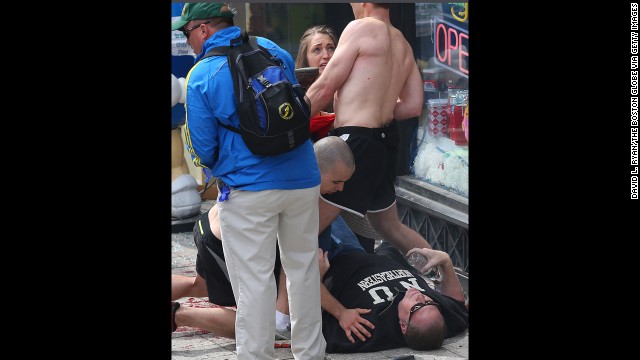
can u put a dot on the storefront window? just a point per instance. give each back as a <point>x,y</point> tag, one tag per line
<point>441,154</point>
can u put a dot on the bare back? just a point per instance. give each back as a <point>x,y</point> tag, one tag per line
<point>383,62</point>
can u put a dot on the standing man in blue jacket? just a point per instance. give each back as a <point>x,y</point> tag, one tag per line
<point>261,196</point>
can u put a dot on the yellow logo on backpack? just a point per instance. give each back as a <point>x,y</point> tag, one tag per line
<point>286,111</point>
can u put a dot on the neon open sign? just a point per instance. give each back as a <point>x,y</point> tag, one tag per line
<point>451,47</point>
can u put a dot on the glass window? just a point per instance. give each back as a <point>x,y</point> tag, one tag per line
<point>284,23</point>
<point>441,154</point>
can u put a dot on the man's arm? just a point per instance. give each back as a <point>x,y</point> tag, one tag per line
<point>349,319</point>
<point>409,102</point>
<point>450,284</point>
<point>201,135</point>
<point>320,94</point>
<point>328,213</point>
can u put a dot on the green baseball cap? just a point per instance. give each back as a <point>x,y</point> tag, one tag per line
<point>200,11</point>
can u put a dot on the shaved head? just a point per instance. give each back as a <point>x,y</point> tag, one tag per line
<point>335,161</point>
<point>331,149</point>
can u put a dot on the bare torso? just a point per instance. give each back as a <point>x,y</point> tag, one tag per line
<point>383,63</point>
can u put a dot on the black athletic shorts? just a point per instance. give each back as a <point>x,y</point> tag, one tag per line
<point>371,188</point>
<point>211,266</point>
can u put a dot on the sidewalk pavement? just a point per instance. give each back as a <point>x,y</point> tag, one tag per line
<point>196,344</point>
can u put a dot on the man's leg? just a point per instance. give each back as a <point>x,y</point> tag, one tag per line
<point>343,240</point>
<point>387,223</point>
<point>282,304</point>
<point>183,286</point>
<point>283,321</point>
<point>249,224</point>
<point>219,321</point>
<point>298,239</point>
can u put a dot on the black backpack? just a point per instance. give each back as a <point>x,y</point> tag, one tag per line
<point>274,118</point>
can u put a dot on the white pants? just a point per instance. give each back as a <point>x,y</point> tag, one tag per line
<point>250,222</point>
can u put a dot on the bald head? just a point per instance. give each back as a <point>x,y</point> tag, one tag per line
<point>331,149</point>
<point>335,161</point>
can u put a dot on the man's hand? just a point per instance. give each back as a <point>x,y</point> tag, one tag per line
<point>323,262</point>
<point>450,284</point>
<point>352,323</point>
<point>434,257</point>
<point>349,319</point>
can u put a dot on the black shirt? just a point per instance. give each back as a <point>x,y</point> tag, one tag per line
<point>378,282</point>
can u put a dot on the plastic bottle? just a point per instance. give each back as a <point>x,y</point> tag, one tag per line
<point>418,261</point>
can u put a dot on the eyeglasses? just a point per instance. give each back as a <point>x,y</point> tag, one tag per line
<point>188,31</point>
<point>419,306</point>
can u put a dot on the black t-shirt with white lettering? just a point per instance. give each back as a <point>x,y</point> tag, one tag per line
<point>378,282</point>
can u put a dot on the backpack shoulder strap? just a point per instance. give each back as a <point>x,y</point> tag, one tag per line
<point>224,50</point>
<point>229,127</point>
<point>254,43</point>
<point>216,51</point>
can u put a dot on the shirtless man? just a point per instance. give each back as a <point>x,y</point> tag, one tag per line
<point>376,81</point>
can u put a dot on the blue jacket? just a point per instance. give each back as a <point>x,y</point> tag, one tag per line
<point>210,98</point>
